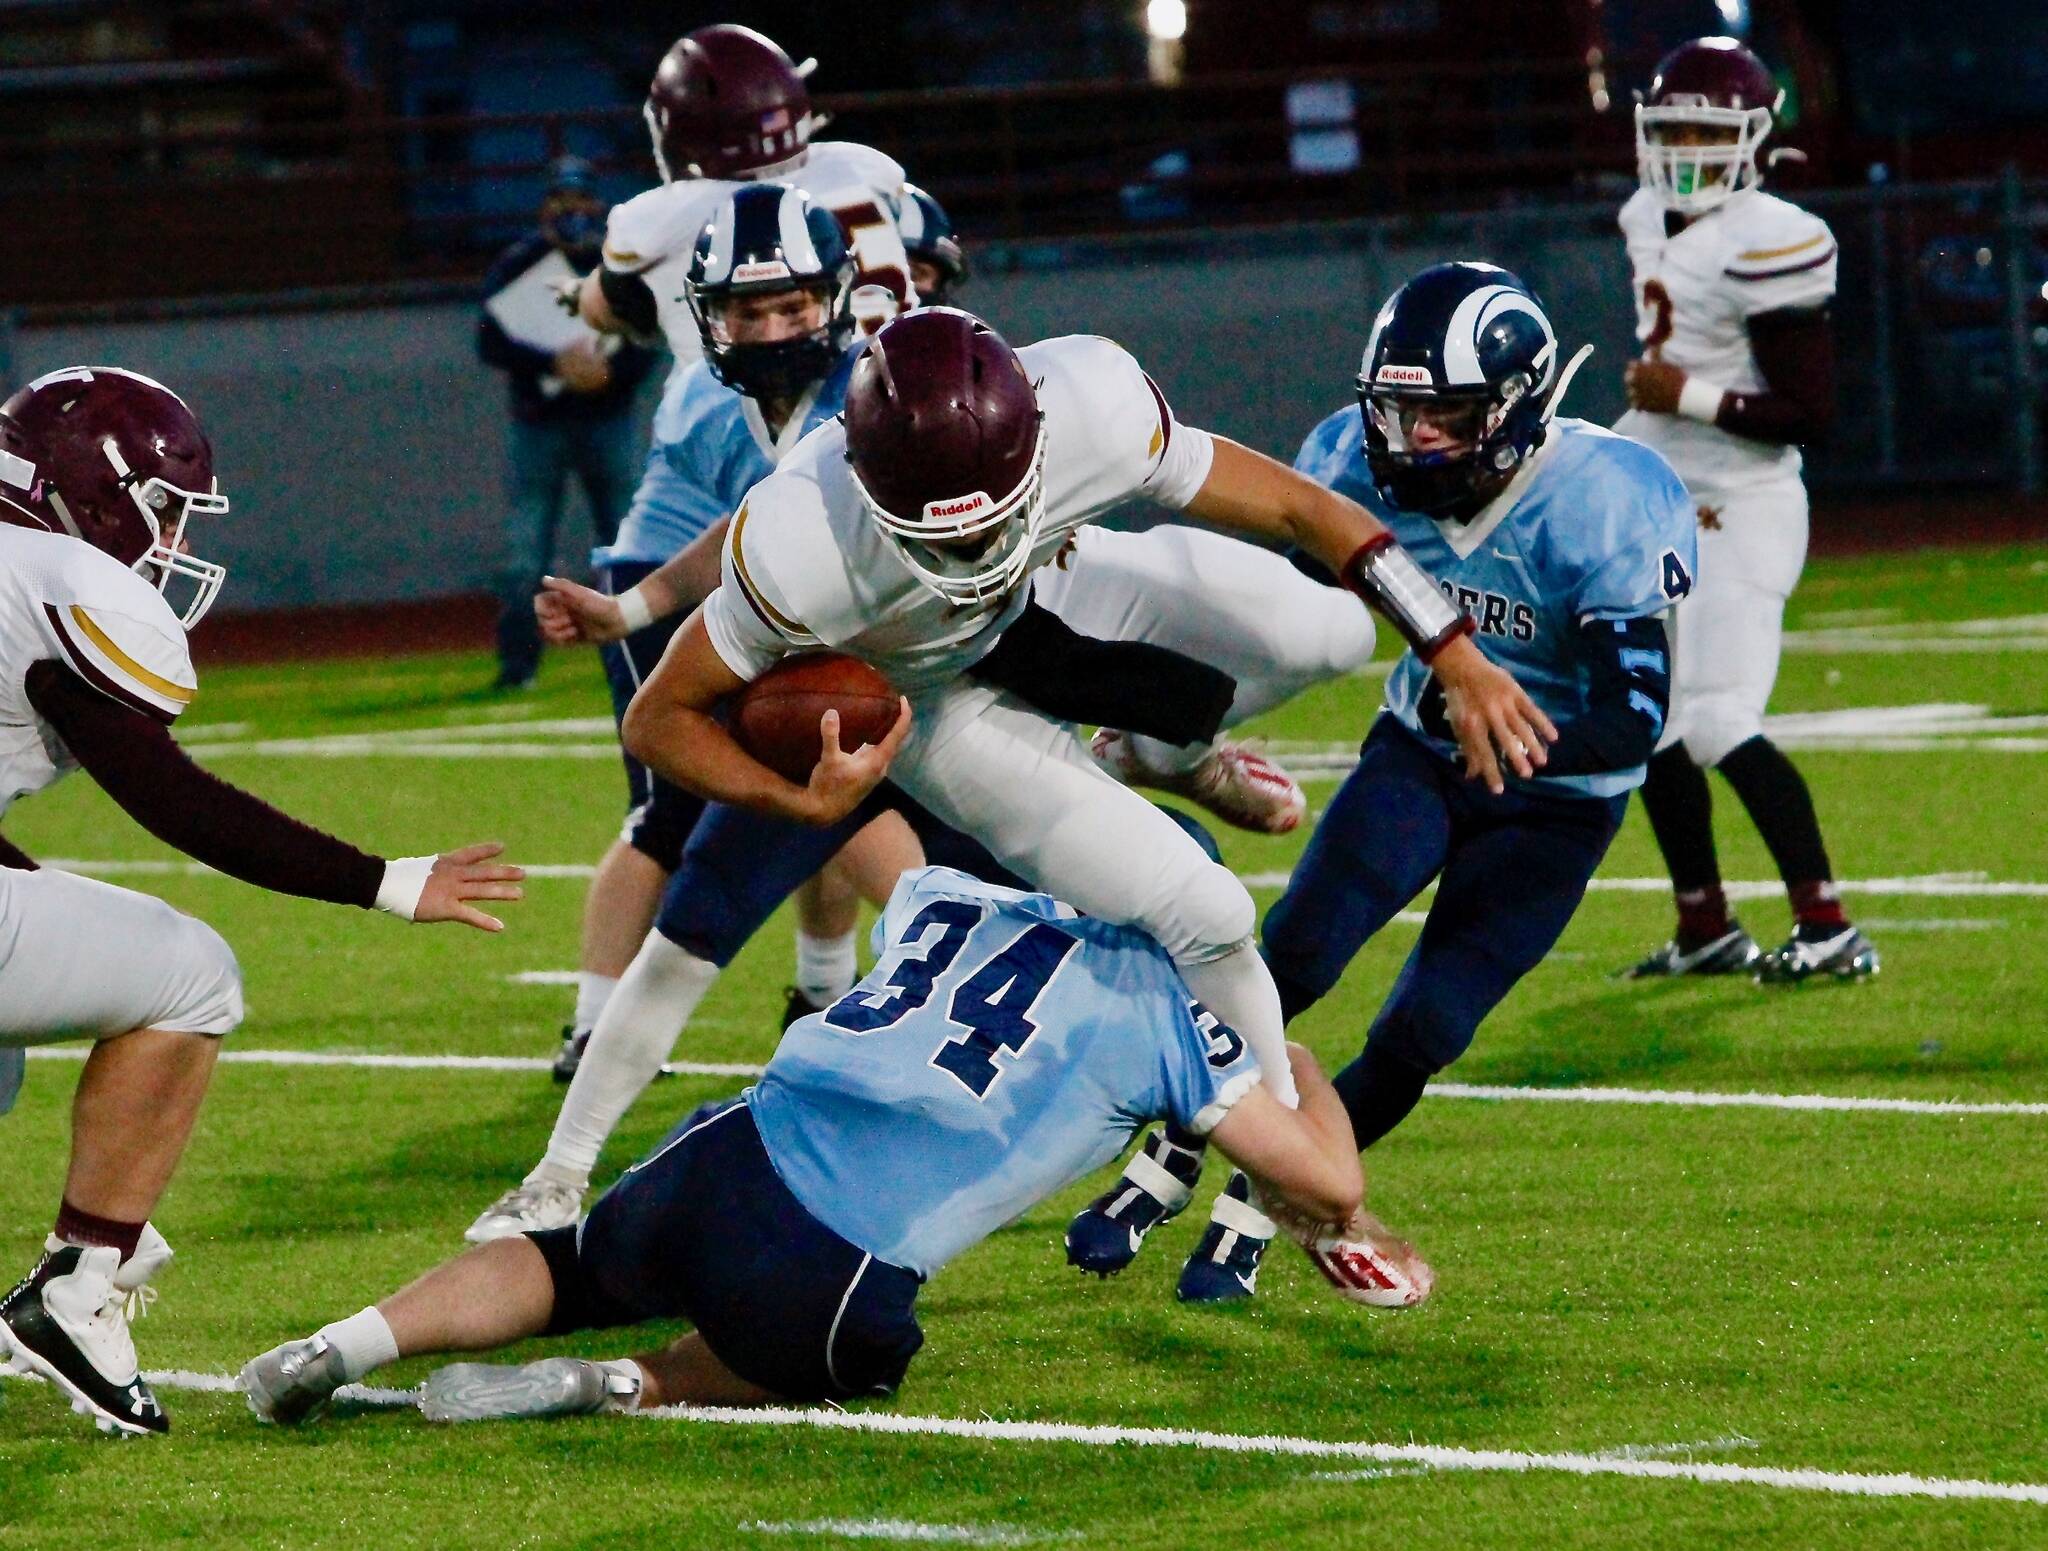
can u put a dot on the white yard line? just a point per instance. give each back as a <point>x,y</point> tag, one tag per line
<point>909,1531</point>
<point>1667,1098</point>
<point>1612,1462</point>
<point>1622,1451</point>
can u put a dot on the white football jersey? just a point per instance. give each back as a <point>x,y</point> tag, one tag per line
<point>1695,294</point>
<point>806,566</point>
<point>652,235</point>
<point>62,600</point>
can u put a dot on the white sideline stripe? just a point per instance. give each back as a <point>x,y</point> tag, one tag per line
<point>78,1052</point>
<point>1434,1456</point>
<point>1691,1099</point>
<point>1681,1098</point>
<point>1623,1451</point>
<point>908,1530</point>
<point>1937,885</point>
<point>545,977</point>
<point>229,1384</point>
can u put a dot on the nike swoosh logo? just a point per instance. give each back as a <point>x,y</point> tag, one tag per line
<point>1137,1240</point>
<point>1246,1281</point>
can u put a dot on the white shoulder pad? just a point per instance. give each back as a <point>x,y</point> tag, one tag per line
<point>656,225</point>
<point>1093,388</point>
<point>118,634</point>
<point>769,549</point>
<point>1641,213</point>
<point>863,163</point>
<point>1779,255</point>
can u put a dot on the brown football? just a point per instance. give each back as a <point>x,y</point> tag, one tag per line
<point>775,718</point>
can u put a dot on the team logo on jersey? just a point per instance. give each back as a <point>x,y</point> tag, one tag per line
<point>1497,614</point>
<point>1415,375</point>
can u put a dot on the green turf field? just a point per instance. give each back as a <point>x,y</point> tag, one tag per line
<point>1631,1287</point>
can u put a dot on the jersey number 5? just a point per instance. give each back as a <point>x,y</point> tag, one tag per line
<point>1656,324</point>
<point>870,232</point>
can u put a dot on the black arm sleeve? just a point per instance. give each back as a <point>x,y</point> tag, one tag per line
<point>1629,663</point>
<point>632,302</point>
<point>1128,685</point>
<point>1795,352</point>
<point>139,765</point>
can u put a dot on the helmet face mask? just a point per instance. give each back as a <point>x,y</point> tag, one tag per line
<point>938,264</point>
<point>1702,125</point>
<point>769,241</point>
<point>117,460</point>
<point>974,548</point>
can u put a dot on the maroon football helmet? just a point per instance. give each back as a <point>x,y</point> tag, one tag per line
<point>1702,122</point>
<point>947,445</point>
<point>118,460</point>
<point>728,103</point>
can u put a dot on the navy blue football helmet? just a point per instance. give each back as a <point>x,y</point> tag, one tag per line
<point>1457,388</point>
<point>766,239</point>
<point>929,238</point>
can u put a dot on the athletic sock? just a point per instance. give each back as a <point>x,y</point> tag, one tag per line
<point>1781,807</point>
<point>88,1231</point>
<point>592,992</point>
<point>1702,917</point>
<point>1680,808</point>
<point>641,1024</point>
<point>1183,1162</point>
<point>1168,758</point>
<point>826,967</point>
<point>363,1341</point>
<point>1378,1090</point>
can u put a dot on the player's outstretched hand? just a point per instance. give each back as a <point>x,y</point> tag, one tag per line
<point>1653,385</point>
<point>841,778</point>
<point>569,612</point>
<point>466,874</point>
<point>1492,717</point>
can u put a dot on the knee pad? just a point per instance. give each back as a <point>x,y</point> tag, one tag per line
<point>1212,915</point>
<point>205,996</point>
<point>658,832</point>
<point>1715,728</point>
<point>1350,640</point>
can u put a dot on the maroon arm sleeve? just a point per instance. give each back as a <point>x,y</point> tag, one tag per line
<point>11,856</point>
<point>1795,352</point>
<point>139,765</point>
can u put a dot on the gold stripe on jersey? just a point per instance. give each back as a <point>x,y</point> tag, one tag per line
<point>1758,255</point>
<point>750,590</point>
<point>156,683</point>
<point>1158,441</point>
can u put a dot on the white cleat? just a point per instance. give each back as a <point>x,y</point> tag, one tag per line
<point>554,1386</point>
<point>67,1322</point>
<point>1368,1265</point>
<point>530,1207</point>
<point>1236,783</point>
<point>289,1383</point>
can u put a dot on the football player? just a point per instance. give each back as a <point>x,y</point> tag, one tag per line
<point>727,106</point>
<point>904,533</point>
<point>938,264</point>
<point>101,471</point>
<point>1562,546</point>
<point>1732,288</point>
<point>1003,1047</point>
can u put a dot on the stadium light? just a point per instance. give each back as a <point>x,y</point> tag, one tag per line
<point>1167,20</point>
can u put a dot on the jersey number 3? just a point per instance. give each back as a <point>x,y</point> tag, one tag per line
<point>993,1004</point>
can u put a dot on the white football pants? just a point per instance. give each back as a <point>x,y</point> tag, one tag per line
<point>1728,635</point>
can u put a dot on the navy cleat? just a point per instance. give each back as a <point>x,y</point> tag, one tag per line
<point>574,1042</point>
<point>1843,955</point>
<point>1156,1187</point>
<point>1734,952</point>
<point>797,1005</point>
<point>1225,1265</point>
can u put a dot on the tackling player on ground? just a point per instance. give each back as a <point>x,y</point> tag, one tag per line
<point>100,473</point>
<point>1732,288</point>
<point>1565,545</point>
<point>1002,1048</point>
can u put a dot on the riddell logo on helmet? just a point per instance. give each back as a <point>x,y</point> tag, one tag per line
<point>766,269</point>
<point>959,506</point>
<point>1418,375</point>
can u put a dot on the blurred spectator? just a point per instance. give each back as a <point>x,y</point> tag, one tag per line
<point>572,393</point>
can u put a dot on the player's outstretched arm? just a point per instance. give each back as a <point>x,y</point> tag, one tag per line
<point>570,612</point>
<point>138,764</point>
<point>1494,720</point>
<point>669,728</point>
<point>1304,1160</point>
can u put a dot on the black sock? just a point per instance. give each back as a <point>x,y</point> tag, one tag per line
<point>1780,806</point>
<point>1681,814</point>
<point>1378,1090</point>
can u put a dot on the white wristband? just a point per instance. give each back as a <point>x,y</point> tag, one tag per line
<point>1701,400</point>
<point>405,880</point>
<point>633,609</point>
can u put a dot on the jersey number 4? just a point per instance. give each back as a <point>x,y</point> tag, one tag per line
<point>993,1004</point>
<point>1676,579</point>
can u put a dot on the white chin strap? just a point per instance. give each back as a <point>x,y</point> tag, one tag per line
<point>1564,381</point>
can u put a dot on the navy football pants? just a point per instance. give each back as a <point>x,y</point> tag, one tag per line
<point>1512,870</point>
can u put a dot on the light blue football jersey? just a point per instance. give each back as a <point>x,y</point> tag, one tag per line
<point>1598,527</point>
<point>1002,1047</point>
<point>705,457</point>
